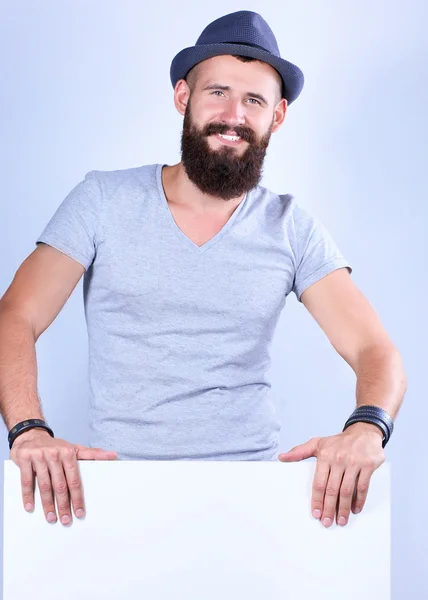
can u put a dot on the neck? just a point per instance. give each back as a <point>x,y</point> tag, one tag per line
<point>180,190</point>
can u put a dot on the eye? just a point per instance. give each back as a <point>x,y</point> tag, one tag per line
<point>217,92</point>
<point>256,101</point>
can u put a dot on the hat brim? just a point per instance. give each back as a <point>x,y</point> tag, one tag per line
<point>292,76</point>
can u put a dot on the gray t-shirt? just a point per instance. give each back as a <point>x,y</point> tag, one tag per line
<point>179,335</point>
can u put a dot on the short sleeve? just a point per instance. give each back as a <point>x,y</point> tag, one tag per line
<point>316,253</point>
<point>73,227</point>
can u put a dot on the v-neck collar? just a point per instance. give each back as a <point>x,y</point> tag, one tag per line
<point>176,228</point>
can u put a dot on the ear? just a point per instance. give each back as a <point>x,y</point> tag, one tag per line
<point>181,96</point>
<point>279,114</point>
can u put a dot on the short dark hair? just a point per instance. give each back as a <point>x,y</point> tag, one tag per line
<point>192,75</point>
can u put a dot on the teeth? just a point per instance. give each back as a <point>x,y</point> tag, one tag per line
<point>231,138</point>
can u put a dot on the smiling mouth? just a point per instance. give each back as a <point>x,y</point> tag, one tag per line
<point>230,140</point>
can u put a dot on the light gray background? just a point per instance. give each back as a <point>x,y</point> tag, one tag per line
<point>85,85</point>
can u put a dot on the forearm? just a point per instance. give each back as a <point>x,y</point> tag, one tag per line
<point>19,399</point>
<point>381,381</point>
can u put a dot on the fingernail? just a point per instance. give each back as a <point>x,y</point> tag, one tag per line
<point>65,520</point>
<point>29,507</point>
<point>51,517</point>
<point>80,513</point>
<point>342,521</point>
<point>357,510</point>
<point>327,522</point>
<point>316,513</point>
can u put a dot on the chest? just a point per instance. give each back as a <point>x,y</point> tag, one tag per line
<point>158,262</point>
<point>198,228</point>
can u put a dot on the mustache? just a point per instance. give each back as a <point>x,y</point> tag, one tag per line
<point>243,132</point>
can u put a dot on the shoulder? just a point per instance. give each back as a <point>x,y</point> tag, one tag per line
<point>284,208</point>
<point>112,179</point>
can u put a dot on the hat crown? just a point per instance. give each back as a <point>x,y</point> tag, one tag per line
<point>242,27</point>
<point>243,32</point>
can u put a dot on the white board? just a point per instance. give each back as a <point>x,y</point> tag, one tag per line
<point>196,530</point>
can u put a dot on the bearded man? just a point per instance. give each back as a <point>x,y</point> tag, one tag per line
<point>186,270</point>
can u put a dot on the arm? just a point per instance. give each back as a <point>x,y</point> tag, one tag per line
<point>346,462</point>
<point>355,331</point>
<point>39,290</point>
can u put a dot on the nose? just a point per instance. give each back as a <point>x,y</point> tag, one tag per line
<point>233,113</point>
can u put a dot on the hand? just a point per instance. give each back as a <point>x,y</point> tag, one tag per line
<point>54,462</point>
<point>345,464</point>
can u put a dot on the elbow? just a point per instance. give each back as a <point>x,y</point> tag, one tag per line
<point>380,354</point>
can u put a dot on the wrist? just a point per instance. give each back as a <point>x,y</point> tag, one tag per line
<point>361,428</point>
<point>27,425</point>
<point>30,434</point>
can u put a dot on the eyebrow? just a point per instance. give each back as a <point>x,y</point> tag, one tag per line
<point>226,88</point>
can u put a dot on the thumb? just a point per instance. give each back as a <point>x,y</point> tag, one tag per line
<point>85,453</point>
<point>307,450</point>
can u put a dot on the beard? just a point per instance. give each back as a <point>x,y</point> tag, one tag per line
<point>222,173</point>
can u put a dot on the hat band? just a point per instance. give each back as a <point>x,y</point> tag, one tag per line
<point>248,44</point>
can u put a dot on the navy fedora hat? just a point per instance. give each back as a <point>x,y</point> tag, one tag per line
<point>245,33</point>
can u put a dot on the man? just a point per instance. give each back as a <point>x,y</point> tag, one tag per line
<point>186,270</point>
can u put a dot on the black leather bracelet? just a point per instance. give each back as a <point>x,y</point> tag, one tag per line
<point>25,426</point>
<point>373,421</point>
<point>375,415</point>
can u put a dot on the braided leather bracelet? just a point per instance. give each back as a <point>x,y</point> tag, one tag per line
<point>375,415</point>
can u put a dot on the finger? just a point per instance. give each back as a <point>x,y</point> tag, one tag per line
<point>74,482</point>
<point>54,458</point>
<point>362,489</point>
<point>45,487</point>
<point>302,452</point>
<point>84,453</point>
<point>322,473</point>
<point>27,479</point>
<point>346,494</point>
<point>354,497</point>
<point>331,494</point>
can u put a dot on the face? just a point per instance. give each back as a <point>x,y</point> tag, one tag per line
<point>230,108</point>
